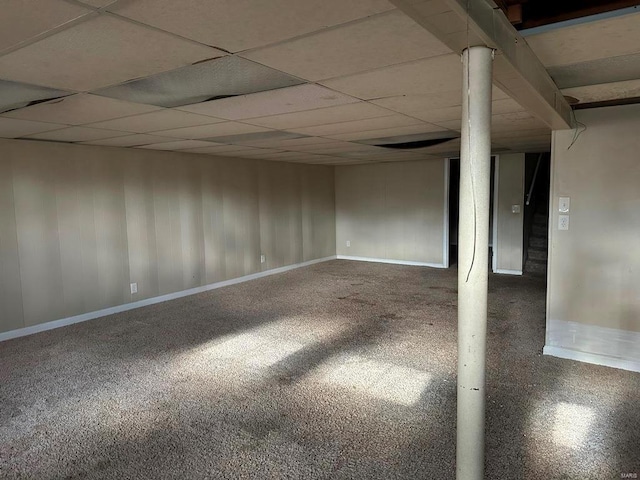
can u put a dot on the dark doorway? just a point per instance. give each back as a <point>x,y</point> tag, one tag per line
<point>454,208</point>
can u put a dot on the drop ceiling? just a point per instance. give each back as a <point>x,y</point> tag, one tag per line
<point>314,81</point>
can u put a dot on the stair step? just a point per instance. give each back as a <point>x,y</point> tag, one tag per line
<point>540,229</point>
<point>538,270</point>
<point>537,254</point>
<point>538,241</point>
<point>535,261</point>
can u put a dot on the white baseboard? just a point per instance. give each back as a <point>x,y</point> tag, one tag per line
<point>21,332</point>
<point>387,260</point>
<point>568,354</point>
<point>508,272</point>
<point>611,347</point>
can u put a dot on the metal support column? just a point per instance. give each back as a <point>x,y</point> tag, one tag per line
<point>473,261</point>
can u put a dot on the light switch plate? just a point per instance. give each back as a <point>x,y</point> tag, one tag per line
<point>564,203</point>
<point>563,222</point>
<point>515,208</point>
<point>348,243</point>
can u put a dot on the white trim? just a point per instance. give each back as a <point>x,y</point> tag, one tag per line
<point>63,322</point>
<point>445,231</point>
<point>494,239</point>
<point>508,272</point>
<point>388,260</point>
<point>593,358</point>
<point>594,344</point>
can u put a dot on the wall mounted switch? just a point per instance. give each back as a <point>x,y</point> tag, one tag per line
<point>564,203</point>
<point>348,243</point>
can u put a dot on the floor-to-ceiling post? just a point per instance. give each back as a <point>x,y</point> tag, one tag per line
<point>473,261</point>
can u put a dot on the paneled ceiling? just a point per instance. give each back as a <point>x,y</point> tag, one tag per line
<point>312,81</point>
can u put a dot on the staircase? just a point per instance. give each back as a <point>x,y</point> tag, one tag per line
<point>537,250</point>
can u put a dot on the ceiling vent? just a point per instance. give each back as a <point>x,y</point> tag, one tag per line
<point>214,79</point>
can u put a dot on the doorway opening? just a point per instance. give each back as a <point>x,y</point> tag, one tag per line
<point>454,209</point>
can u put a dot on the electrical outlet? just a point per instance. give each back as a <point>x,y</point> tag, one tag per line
<point>563,222</point>
<point>263,258</point>
<point>348,243</point>
<point>134,288</point>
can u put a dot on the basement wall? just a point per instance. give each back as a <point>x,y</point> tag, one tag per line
<point>593,299</point>
<point>78,224</point>
<point>392,211</point>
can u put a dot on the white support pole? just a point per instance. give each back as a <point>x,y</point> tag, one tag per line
<point>473,261</point>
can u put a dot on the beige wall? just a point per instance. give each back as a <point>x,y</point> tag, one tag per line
<point>392,211</point>
<point>78,224</point>
<point>508,234</point>
<point>594,267</point>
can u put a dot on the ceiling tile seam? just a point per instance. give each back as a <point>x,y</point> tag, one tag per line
<point>391,114</point>
<point>78,3</point>
<point>157,29</point>
<point>594,60</point>
<point>160,109</point>
<point>302,80</point>
<point>52,102</point>
<point>49,33</point>
<point>316,32</point>
<point>372,70</point>
<point>376,129</point>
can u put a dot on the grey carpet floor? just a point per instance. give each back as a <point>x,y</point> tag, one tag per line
<point>340,370</point>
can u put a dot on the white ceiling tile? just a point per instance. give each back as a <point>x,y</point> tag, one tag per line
<point>178,145</point>
<point>158,120</point>
<point>506,105</point>
<point>514,121</point>
<point>372,43</point>
<point>321,116</point>
<point>77,134</point>
<point>283,100</point>
<point>455,125</point>
<point>449,22</point>
<point>410,104</point>
<point>217,149</point>
<point>213,130</point>
<point>428,8</point>
<point>99,52</point>
<point>245,152</point>
<point>436,115</point>
<point>536,132</point>
<point>588,41</point>
<point>606,91</point>
<point>394,120</point>
<point>347,147</point>
<point>11,128</point>
<point>237,25</point>
<point>99,3</point>
<point>80,109</point>
<point>25,19</point>
<point>431,75</point>
<point>387,132</point>
<point>295,144</point>
<point>129,140</point>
